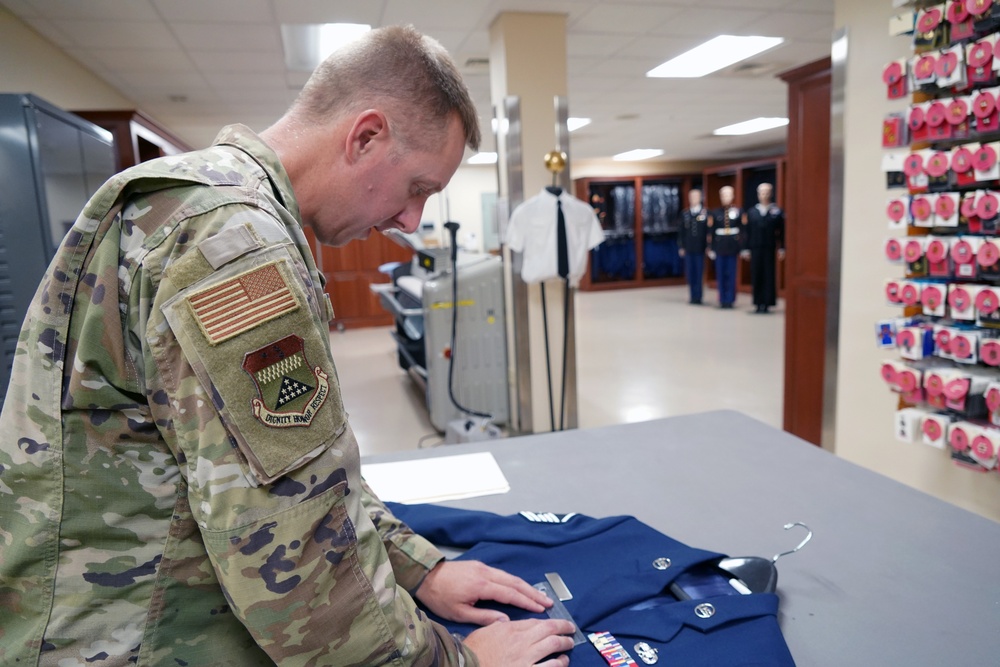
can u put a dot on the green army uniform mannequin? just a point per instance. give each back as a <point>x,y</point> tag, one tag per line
<point>178,478</point>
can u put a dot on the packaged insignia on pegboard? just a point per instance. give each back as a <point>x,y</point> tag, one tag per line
<point>931,30</point>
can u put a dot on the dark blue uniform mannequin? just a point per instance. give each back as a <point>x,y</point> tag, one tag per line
<point>694,241</point>
<point>618,571</point>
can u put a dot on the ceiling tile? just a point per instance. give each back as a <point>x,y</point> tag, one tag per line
<point>208,37</point>
<point>430,14</point>
<point>620,18</point>
<point>450,39</point>
<point>711,22</point>
<point>140,60</point>
<point>172,82</point>
<point>152,49</point>
<point>329,11</point>
<point>790,54</point>
<point>263,83</point>
<point>587,44</point>
<point>227,11</point>
<point>659,49</point>
<point>21,8</point>
<point>50,31</point>
<point>810,6</point>
<point>758,4</point>
<point>477,41</point>
<point>152,35</point>
<point>295,80</point>
<point>238,61</point>
<point>111,10</point>
<point>791,24</point>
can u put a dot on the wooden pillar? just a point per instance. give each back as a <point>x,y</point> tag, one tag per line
<point>807,199</point>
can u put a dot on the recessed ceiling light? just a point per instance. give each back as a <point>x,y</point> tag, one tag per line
<point>576,123</point>
<point>308,44</point>
<point>713,55</point>
<point>638,154</point>
<point>751,126</point>
<point>482,158</point>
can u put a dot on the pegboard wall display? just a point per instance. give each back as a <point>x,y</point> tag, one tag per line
<point>942,170</point>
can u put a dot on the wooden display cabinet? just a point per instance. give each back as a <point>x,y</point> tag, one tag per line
<point>137,136</point>
<point>349,270</point>
<point>744,177</point>
<point>641,219</point>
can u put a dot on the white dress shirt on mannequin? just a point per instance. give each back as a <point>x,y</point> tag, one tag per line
<point>532,231</point>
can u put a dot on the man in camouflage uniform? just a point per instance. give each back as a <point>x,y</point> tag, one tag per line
<point>179,483</point>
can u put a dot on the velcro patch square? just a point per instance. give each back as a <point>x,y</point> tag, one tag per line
<point>242,303</point>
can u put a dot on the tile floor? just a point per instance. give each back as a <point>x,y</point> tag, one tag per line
<point>641,354</point>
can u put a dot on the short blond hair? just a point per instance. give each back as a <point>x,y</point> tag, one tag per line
<point>401,69</point>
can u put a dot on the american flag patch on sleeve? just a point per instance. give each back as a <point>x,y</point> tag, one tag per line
<point>242,303</point>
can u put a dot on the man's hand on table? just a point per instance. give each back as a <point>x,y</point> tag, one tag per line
<point>522,643</point>
<point>452,589</point>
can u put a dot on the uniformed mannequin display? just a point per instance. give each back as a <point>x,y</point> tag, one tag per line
<point>724,245</point>
<point>694,240</point>
<point>764,237</point>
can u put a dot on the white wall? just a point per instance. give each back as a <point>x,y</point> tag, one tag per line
<point>461,201</point>
<point>29,63</point>
<point>864,405</point>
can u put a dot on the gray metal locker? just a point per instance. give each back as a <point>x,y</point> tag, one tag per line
<point>51,162</point>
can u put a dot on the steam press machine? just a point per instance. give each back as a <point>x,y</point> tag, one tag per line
<point>420,298</point>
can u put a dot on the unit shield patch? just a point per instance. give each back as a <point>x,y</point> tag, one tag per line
<point>289,391</point>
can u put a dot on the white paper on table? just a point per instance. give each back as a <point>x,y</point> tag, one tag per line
<point>436,479</point>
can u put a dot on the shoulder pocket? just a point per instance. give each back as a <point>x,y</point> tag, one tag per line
<point>262,356</point>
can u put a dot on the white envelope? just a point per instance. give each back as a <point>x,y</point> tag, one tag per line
<point>908,422</point>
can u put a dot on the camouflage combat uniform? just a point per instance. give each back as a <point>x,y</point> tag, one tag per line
<point>178,480</point>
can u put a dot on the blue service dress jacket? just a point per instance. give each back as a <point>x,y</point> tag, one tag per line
<point>619,571</point>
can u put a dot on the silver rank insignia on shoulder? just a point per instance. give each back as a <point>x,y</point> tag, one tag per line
<point>547,517</point>
<point>646,653</point>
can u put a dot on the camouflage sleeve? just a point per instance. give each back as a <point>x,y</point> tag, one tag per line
<point>411,555</point>
<point>239,348</point>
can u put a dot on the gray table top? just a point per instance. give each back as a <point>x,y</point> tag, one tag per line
<point>892,576</point>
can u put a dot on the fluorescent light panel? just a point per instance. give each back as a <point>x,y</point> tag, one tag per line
<point>638,154</point>
<point>715,54</point>
<point>482,158</point>
<point>576,123</point>
<point>751,126</point>
<point>308,44</point>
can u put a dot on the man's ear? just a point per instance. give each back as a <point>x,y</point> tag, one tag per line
<point>369,128</point>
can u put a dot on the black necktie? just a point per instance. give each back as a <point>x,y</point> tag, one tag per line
<point>562,249</point>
